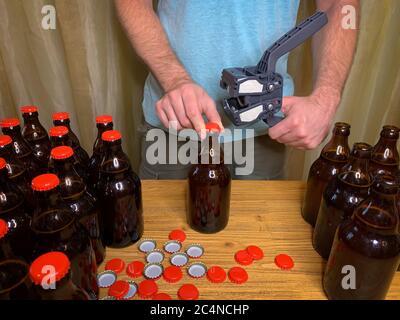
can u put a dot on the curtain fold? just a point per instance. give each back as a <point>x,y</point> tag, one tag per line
<point>86,66</point>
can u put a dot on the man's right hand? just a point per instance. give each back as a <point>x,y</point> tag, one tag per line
<point>184,105</point>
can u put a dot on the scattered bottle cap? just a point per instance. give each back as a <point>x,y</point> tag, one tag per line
<point>195,251</point>
<point>162,296</point>
<point>172,246</point>
<point>155,256</point>
<point>147,245</point>
<point>135,269</point>
<point>255,252</point>
<point>117,265</point>
<point>106,279</point>
<point>284,261</point>
<point>238,275</point>
<point>197,270</point>
<point>172,274</point>
<point>153,271</point>
<point>177,235</point>
<point>216,274</point>
<point>132,290</point>
<point>147,289</point>
<point>243,257</point>
<point>119,289</point>
<point>188,292</point>
<point>179,259</point>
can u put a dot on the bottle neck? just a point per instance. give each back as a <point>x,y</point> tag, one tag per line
<point>47,200</point>
<point>71,183</point>
<point>14,133</point>
<point>386,151</point>
<point>101,128</point>
<point>337,149</point>
<point>210,151</point>
<point>114,160</point>
<point>31,119</point>
<point>356,172</point>
<point>65,123</point>
<point>58,141</point>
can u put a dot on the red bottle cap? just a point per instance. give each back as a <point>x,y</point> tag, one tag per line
<point>238,275</point>
<point>5,140</point>
<point>56,259</point>
<point>104,119</point>
<point>216,274</point>
<point>162,296</point>
<point>284,262</point>
<point>8,123</point>
<point>135,269</point>
<point>111,135</point>
<point>147,289</point>
<point>60,116</point>
<point>29,109</point>
<point>119,289</point>
<point>62,152</point>
<point>188,292</point>
<point>3,163</point>
<point>255,252</point>
<point>58,131</point>
<point>172,274</point>
<point>213,126</point>
<point>243,257</point>
<point>3,228</point>
<point>117,265</point>
<point>45,182</point>
<point>177,235</point>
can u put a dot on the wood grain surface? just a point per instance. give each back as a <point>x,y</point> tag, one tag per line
<point>263,213</point>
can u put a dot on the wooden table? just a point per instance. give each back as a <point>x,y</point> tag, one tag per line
<point>264,213</point>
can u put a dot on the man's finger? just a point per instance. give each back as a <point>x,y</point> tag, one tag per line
<point>287,103</point>
<point>177,104</point>
<point>172,118</point>
<point>210,110</point>
<point>280,129</point>
<point>193,112</point>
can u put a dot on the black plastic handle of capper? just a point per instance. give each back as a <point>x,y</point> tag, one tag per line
<point>291,40</point>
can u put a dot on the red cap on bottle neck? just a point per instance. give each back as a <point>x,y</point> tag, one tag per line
<point>111,135</point>
<point>3,228</point>
<point>60,116</point>
<point>213,126</point>
<point>9,123</point>
<point>45,182</point>
<point>29,109</point>
<point>58,131</point>
<point>2,163</point>
<point>62,152</point>
<point>5,140</point>
<point>59,263</point>
<point>104,119</point>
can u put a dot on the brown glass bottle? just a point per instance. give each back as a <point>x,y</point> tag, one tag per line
<point>56,287</point>
<point>369,243</point>
<point>55,229</point>
<point>73,191</point>
<point>22,150</point>
<point>104,123</point>
<point>120,194</point>
<point>14,281</point>
<point>63,119</point>
<point>209,187</point>
<point>333,157</point>
<point>59,137</point>
<point>14,211</point>
<point>36,135</point>
<point>385,156</point>
<point>342,194</point>
<point>17,171</point>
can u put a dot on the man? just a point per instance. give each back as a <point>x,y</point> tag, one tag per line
<point>188,43</point>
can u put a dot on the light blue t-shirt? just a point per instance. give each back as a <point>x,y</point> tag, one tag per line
<point>210,35</point>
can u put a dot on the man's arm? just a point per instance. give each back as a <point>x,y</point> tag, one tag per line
<point>308,119</point>
<point>184,101</point>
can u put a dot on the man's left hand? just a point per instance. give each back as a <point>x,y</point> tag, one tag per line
<point>308,120</point>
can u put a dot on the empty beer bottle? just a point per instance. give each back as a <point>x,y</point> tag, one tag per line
<point>14,281</point>
<point>55,229</point>
<point>385,156</point>
<point>366,250</point>
<point>14,211</point>
<point>22,150</point>
<point>36,135</point>
<point>342,194</point>
<point>104,123</point>
<point>121,195</point>
<point>17,171</point>
<point>333,157</point>
<point>209,184</point>
<point>62,119</point>
<point>74,193</point>
<point>51,275</point>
